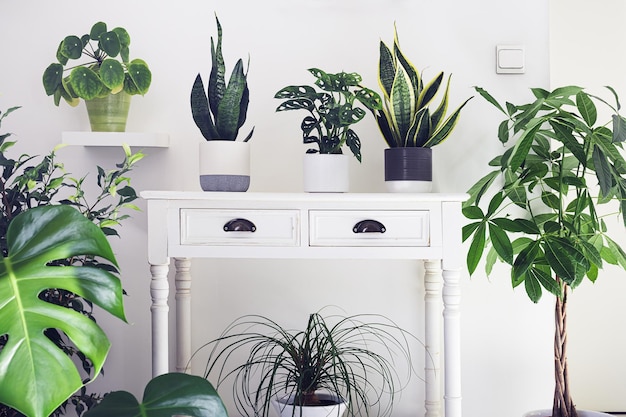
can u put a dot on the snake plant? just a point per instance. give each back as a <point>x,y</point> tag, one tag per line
<point>406,120</point>
<point>221,112</point>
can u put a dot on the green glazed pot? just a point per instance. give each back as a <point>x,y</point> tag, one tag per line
<point>109,114</point>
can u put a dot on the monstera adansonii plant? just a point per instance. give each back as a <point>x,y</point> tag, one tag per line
<point>36,376</point>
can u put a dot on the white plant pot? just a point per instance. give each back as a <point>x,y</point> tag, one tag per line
<point>581,413</point>
<point>283,407</point>
<point>224,165</point>
<point>326,173</point>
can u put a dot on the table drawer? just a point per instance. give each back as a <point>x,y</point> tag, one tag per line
<point>369,228</point>
<point>239,227</point>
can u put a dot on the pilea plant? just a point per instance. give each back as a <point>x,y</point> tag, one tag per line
<point>332,111</point>
<point>99,64</point>
<point>542,217</point>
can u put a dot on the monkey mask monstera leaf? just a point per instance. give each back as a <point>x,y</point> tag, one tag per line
<point>35,375</point>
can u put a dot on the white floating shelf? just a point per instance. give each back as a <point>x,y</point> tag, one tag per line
<point>134,139</point>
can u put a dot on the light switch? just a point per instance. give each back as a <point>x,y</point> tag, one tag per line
<point>510,59</point>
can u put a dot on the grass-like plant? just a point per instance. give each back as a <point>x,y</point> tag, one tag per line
<point>353,358</point>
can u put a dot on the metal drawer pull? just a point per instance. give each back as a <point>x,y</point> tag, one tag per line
<point>239,225</point>
<point>369,226</point>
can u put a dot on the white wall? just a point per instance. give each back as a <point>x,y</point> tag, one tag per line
<point>586,41</point>
<point>506,339</point>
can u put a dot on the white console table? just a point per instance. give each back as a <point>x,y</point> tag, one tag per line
<point>427,227</point>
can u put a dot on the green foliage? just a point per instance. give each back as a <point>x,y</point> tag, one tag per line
<point>332,111</point>
<point>98,74</point>
<point>221,111</point>
<point>28,182</point>
<point>39,376</point>
<point>406,119</point>
<point>541,217</point>
<point>165,396</point>
<point>352,357</point>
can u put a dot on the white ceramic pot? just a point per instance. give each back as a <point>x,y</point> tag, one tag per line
<point>581,413</point>
<point>224,165</point>
<point>337,409</point>
<point>326,173</point>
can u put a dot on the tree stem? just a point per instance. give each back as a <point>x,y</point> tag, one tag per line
<point>562,406</point>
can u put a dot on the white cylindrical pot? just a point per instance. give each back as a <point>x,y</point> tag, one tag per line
<point>326,173</point>
<point>224,165</point>
<point>336,407</point>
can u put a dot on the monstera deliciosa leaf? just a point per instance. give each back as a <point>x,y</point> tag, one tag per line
<point>35,375</point>
<point>165,396</point>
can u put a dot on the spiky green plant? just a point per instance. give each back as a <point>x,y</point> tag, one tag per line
<point>221,111</point>
<point>406,119</point>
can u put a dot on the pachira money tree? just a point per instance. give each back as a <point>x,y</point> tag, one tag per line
<point>539,210</point>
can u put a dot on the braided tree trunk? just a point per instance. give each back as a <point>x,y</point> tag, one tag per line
<point>563,406</point>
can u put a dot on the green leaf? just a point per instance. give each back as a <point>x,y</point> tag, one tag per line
<point>522,147</point>
<point>473,212</point>
<point>52,78</point>
<point>166,395</point>
<point>110,43</point>
<point>619,128</point>
<point>112,74</point>
<point>532,286</point>
<point>86,83</point>
<point>586,108</point>
<point>546,281</point>
<point>476,249</point>
<point>139,72</point>
<point>489,98</point>
<point>98,29</point>
<point>501,243</point>
<point>403,102</point>
<point>30,362</point>
<point>603,170</point>
<point>478,189</point>
<point>72,47</point>
<point>565,259</point>
<point>525,259</point>
<point>200,110</point>
<point>386,69</point>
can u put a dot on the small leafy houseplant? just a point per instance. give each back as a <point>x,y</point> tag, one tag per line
<point>332,111</point>
<point>106,67</point>
<point>351,358</point>
<point>410,120</point>
<point>219,112</point>
<point>538,210</point>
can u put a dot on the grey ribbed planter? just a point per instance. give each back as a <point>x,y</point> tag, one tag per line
<point>408,170</point>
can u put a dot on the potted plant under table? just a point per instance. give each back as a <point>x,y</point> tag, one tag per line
<point>336,364</point>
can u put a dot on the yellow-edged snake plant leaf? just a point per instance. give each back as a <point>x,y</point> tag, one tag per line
<point>35,375</point>
<point>166,395</point>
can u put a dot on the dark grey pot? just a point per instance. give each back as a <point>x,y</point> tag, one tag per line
<point>225,182</point>
<point>408,169</point>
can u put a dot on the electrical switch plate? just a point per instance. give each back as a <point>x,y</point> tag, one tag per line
<point>510,59</point>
